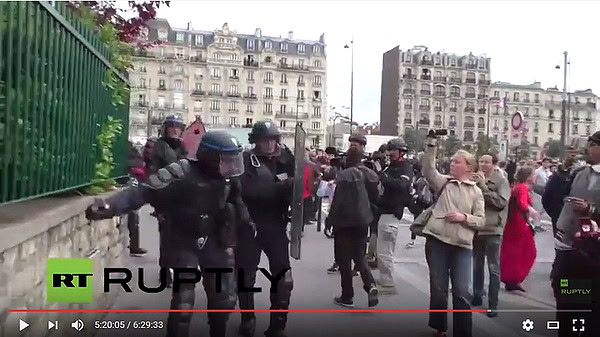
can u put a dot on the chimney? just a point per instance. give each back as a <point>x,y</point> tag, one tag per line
<point>189,26</point>
<point>258,32</point>
<point>290,35</point>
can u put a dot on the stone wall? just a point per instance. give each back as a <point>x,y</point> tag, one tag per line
<point>33,231</point>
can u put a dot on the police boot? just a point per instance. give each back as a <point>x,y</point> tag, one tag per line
<point>277,325</point>
<point>248,327</point>
<point>217,324</point>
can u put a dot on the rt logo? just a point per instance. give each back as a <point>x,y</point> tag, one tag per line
<point>69,280</point>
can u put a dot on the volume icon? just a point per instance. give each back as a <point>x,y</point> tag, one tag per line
<point>77,325</point>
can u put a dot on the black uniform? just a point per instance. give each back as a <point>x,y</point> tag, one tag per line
<point>201,210</point>
<point>396,180</point>
<point>268,198</point>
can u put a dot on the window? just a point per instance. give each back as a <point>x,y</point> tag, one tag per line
<point>505,124</point>
<point>161,84</point>
<point>575,129</point>
<point>268,108</point>
<point>316,49</point>
<point>301,79</point>
<point>301,63</point>
<point>300,109</point>
<point>482,77</point>
<point>470,105</point>
<point>283,93</point>
<point>317,80</point>
<point>250,44</point>
<point>179,84</point>
<point>587,130</point>
<point>425,102</point>
<point>163,34</point>
<point>526,112</point>
<point>282,124</point>
<point>408,58</point>
<point>284,47</point>
<point>233,121</point>
<point>215,88</point>
<point>216,73</point>
<point>301,49</point>
<point>221,40</point>
<point>283,108</point>
<point>199,40</point>
<point>234,73</point>
<point>248,121</point>
<point>268,44</point>
<point>317,111</point>
<point>250,108</point>
<point>142,82</point>
<point>438,74</point>
<point>216,120</point>
<point>215,105</point>
<point>551,98</point>
<point>453,104</point>
<point>161,101</point>
<point>283,60</point>
<point>455,91</point>
<point>537,112</point>
<point>516,96</point>
<point>452,62</point>
<point>161,70</point>
<point>283,78</point>
<point>179,68</point>
<point>550,128</point>
<point>526,97</point>
<point>535,140</point>
<point>438,106</point>
<point>232,106</point>
<point>180,36</point>
<point>233,89</point>
<point>453,74</point>
<point>551,114</point>
<point>269,92</point>
<point>408,101</point>
<point>180,53</point>
<point>300,94</point>
<point>438,60</point>
<point>250,91</point>
<point>317,64</point>
<point>269,77</point>
<point>250,76</point>
<point>317,94</point>
<point>316,125</point>
<point>536,126</point>
<point>496,93</point>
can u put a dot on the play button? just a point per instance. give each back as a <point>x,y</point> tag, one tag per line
<point>23,325</point>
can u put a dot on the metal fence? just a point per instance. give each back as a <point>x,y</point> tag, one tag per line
<point>53,103</point>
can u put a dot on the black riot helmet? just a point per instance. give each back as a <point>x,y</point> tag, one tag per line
<point>359,138</point>
<point>220,152</point>
<point>397,144</point>
<point>171,122</point>
<point>264,129</point>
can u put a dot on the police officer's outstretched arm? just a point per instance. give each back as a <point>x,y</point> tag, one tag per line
<point>123,202</point>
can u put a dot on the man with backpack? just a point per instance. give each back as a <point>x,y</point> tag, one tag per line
<point>350,215</point>
<point>396,180</point>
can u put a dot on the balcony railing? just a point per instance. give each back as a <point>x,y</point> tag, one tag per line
<point>588,119</point>
<point>267,80</point>
<point>408,91</point>
<point>301,84</point>
<point>470,81</point>
<point>455,80</point>
<point>451,123</point>
<point>234,78</point>
<point>494,98</point>
<point>215,93</point>
<point>408,106</point>
<point>471,66</point>
<point>407,121</point>
<point>506,128</point>
<point>268,96</point>
<point>536,101</point>
<point>198,93</point>
<point>162,88</point>
<point>468,95</point>
<point>437,108</point>
<point>468,139</point>
<point>428,63</point>
<point>292,66</point>
<point>496,128</point>
<point>283,98</point>
<point>484,82</point>
<point>409,76</point>
<point>550,116</point>
<point>437,123</point>
<point>197,109</point>
<point>425,107</point>
<point>198,77</point>
<point>197,59</point>
<point>426,77</point>
<point>315,84</point>
<point>469,109</point>
<point>481,126</point>
<point>424,122</point>
<point>250,64</point>
<point>455,94</point>
<point>439,94</point>
<point>526,100</point>
<point>439,79</point>
<point>250,96</point>
<point>426,92</point>
<point>301,98</point>
<point>454,109</point>
<point>316,99</point>
<point>233,94</point>
<point>575,118</point>
<point>142,104</point>
<point>517,99</point>
<point>482,96</point>
<point>482,111</point>
<point>591,105</point>
<point>469,125</point>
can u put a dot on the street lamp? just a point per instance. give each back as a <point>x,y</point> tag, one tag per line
<point>563,118</point>
<point>351,84</point>
<point>334,119</point>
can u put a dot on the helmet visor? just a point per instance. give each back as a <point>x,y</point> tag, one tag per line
<point>231,164</point>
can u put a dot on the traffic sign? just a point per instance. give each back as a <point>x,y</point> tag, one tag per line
<point>517,120</point>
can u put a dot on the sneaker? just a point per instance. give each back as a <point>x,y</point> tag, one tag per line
<point>410,245</point>
<point>492,313</point>
<point>333,269</point>
<point>343,302</point>
<point>355,273</point>
<point>138,252</point>
<point>373,298</point>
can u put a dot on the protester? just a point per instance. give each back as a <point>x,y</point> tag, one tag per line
<point>350,215</point>
<point>496,193</point>
<point>542,174</point>
<point>458,213</point>
<point>518,246</point>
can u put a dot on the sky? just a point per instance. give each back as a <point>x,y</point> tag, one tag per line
<point>524,39</point>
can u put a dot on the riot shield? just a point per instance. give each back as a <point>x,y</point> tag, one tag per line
<point>298,200</point>
<point>192,136</point>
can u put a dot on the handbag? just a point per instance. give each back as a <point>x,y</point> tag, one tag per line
<point>421,221</point>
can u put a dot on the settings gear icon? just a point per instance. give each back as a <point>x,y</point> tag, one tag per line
<point>528,325</point>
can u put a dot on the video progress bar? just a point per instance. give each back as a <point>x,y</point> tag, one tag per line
<point>294,311</point>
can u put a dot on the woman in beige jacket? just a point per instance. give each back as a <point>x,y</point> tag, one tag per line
<point>458,213</point>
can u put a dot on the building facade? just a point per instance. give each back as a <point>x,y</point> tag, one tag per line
<point>425,90</point>
<point>229,80</point>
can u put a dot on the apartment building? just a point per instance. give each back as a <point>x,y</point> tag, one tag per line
<point>230,80</point>
<point>424,90</point>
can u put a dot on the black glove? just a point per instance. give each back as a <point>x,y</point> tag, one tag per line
<point>98,210</point>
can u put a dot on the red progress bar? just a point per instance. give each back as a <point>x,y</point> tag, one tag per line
<point>306,311</point>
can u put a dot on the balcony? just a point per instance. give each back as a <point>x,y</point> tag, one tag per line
<point>506,128</point>
<point>162,87</point>
<point>160,106</point>
<point>197,59</point>
<point>233,94</point>
<point>453,109</point>
<point>426,92</point>
<point>437,108</point>
<point>452,123</point>
<point>468,139</point>
<point>301,98</point>
<point>317,84</point>
<point>426,77</point>
<point>268,113</point>
<point>408,121</point>
<point>471,66</point>
<point>550,116</point>
<point>142,104</point>
<point>495,98</point>
<point>469,109</point>
<point>428,63</point>
<point>484,82</point>
<point>536,101</point>
<point>526,100</point>
<point>516,99</point>
<point>469,125</point>
<point>439,94</point>
<point>215,77</point>
<point>575,118</point>
<point>455,94</point>
<point>437,123</point>
<point>198,93</point>
<point>248,63</point>
<point>269,97</point>
<point>234,78</point>
<point>292,66</point>
<point>470,81</point>
<point>496,128</point>
<point>180,107</point>
<point>506,113</point>
<point>197,109</point>
<point>482,96</point>
<point>482,111</point>
<point>250,80</point>
<point>425,107</point>
<point>285,82</point>
<point>316,99</point>
<point>156,121</point>
<point>439,79</point>
<point>409,76</point>
<point>470,95</point>
<point>301,84</point>
<point>550,131</point>
<point>481,126</point>
<point>250,96</point>
<point>267,80</point>
<point>455,80</point>
<point>424,121</point>
<point>496,112</point>
<point>215,93</point>
<point>283,98</point>
<point>409,91</point>
<point>408,106</point>
<point>233,111</point>
<point>588,119</point>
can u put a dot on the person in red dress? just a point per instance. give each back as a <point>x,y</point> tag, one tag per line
<point>518,250</point>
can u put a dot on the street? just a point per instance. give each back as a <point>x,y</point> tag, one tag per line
<point>315,289</point>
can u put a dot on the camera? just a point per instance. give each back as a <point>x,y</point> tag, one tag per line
<point>438,132</point>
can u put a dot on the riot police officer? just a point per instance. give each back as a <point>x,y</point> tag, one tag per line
<point>267,192</point>
<point>200,203</point>
<point>169,147</point>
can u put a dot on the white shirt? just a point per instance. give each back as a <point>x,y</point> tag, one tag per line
<point>542,175</point>
<point>594,177</point>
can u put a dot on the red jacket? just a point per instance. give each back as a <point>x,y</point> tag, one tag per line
<point>310,175</point>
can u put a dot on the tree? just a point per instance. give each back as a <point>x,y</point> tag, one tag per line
<point>451,145</point>
<point>524,150</point>
<point>554,149</point>
<point>485,145</point>
<point>412,140</point>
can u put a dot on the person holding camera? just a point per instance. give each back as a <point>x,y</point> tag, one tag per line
<point>457,214</point>
<point>577,243</point>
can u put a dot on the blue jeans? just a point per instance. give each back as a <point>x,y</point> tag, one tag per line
<point>449,262</point>
<point>487,246</point>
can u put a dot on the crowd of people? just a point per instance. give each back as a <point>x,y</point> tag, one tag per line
<point>228,205</point>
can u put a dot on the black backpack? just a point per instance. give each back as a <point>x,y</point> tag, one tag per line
<point>351,206</point>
